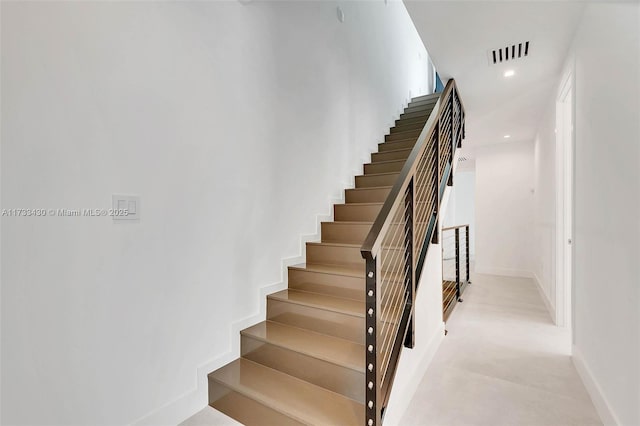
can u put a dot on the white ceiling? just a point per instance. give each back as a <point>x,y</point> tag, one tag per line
<point>458,36</point>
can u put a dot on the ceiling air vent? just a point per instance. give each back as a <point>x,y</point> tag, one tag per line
<point>509,53</point>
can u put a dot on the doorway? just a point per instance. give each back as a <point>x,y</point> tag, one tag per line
<point>564,201</point>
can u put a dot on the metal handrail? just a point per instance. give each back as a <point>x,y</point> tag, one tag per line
<point>396,246</point>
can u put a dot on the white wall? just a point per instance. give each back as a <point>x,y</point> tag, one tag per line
<point>607,207</point>
<point>461,205</point>
<point>544,205</point>
<point>503,207</point>
<point>235,123</point>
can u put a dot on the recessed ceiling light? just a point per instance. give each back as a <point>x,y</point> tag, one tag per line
<point>509,73</point>
<point>507,136</point>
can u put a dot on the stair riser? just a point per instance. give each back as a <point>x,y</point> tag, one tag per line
<point>369,181</point>
<point>405,121</point>
<point>329,284</point>
<point>244,409</point>
<point>406,127</point>
<point>392,155</point>
<point>396,145</point>
<point>419,108</point>
<point>334,255</point>
<point>371,195</point>
<point>350,233</point>
<point>331,323</point>
<point>373,168</point>
<point>355,212</point>
<point>419,114</point>
<point>412,134</point>
<point>336,378</point>
<point>430,102</point>
<point>426,97</point>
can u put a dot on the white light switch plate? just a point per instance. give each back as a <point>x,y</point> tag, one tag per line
<point>125,207</point>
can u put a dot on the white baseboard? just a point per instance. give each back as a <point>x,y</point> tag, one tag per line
<point>405,387</point>
<point>194,400</point>
<point>505,272</point>
<point>603,407</point>
<point>545,298</point>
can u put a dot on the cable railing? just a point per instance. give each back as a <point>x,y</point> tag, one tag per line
<point>455,266</point>
<point>396,247</point>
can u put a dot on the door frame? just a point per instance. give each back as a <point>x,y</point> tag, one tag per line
<point>565,199</point>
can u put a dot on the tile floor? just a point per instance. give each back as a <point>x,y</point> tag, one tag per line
<point>503,362</point>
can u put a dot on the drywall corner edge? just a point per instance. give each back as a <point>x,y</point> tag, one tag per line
<point>547,303</point>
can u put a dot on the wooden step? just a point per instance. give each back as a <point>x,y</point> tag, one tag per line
<point>378,179</point>
<point>348,232</point>
<point>329,362</point>
<point>356,212</point>
<point>403,127</point>
<point>426,97</point>
<point>332,280</point>
<point>410,134</point>
<point>367,195</point>
<point>397,145</point>
<point>334,254</point>
<point>431,102</point>
<point>240,387</point>
<point>420,107</point>
<point>333,316</point>
<point>384,167</point>
<point>405,121</point>
<point>418,114</point>
<point>400,154</point>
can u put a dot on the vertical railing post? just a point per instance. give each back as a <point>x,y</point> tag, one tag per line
<point>409,340</point>
<point>452,110</point>
<point>373,403</point>
<point>457,239</point>
<point>460,122</point>
<point>436,178</point>
<point>467,252</point>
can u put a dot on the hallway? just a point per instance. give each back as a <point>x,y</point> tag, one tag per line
<point>503,362</point>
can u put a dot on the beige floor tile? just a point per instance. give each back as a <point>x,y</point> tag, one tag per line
<point>209,417</point>
<point>503,362</point>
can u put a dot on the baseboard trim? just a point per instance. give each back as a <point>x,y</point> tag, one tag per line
<point>401,398</point>
<point>603,407</point>
<point>505,272</point>
<point>545,298</point>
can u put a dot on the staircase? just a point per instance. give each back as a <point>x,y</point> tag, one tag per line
<point>306,363</point>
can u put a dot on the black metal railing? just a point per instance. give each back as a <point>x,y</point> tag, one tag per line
<point>455,266</point>
<point>396,247</point>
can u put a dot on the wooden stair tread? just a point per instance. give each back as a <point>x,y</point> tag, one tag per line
<point>394,150</point>
<point>424,97</point>
<point>380,174</point>
<point>320,243</point>
<point>288,395</point>
<point>320,346</point>
<point>321,301</point>
<point>411,131</point>
<point>345,270</point>
<point>371,188</point>
<point>390,161</point>
<point>373,203</point>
